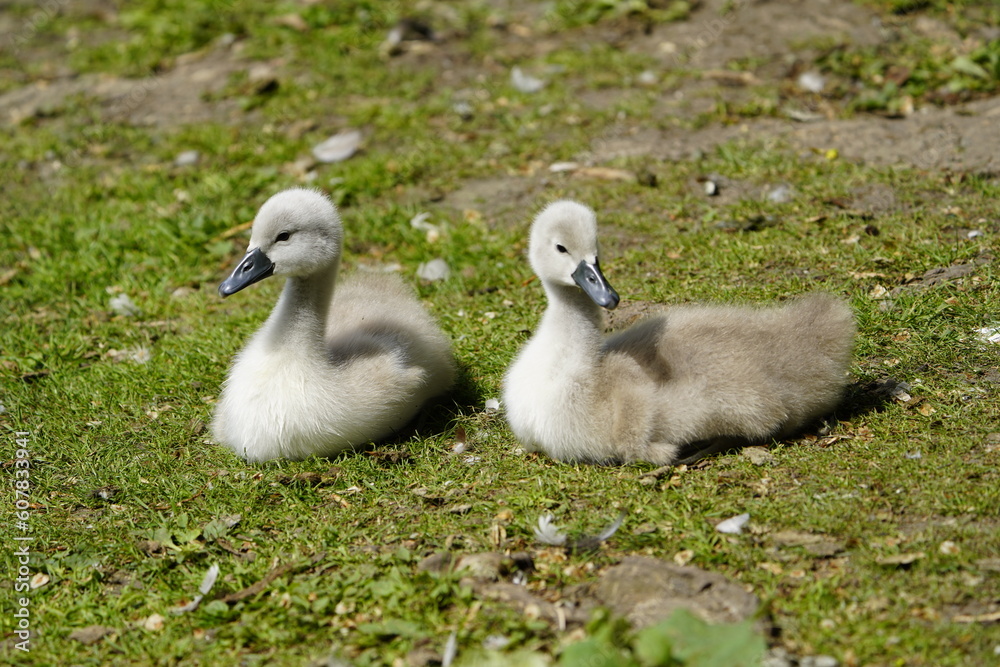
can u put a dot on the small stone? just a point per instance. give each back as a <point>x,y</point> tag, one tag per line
<point>525,83</point>
<point>647,78</point>
<point>780,195</point>
<point>434,270</point>
<point>759,456</point>
<point>733,525</point>
<point>438,562</point>
<point>777,657</point>
<point>187,159</point>
<point>818,661</point>
<point>684,557</point>
<point>812,82</point>
<point>481,566</point>
<point>153,623</point>
<point>647,591</point>
<point>463,109</point>
<point>262,79</point>
<point>711,188</point>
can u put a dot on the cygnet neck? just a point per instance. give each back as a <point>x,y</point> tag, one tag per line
<point>299,318</point>
<point>574,316</point>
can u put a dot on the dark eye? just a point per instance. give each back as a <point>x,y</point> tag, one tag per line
<point>283,236</point>
<point>561,248</point>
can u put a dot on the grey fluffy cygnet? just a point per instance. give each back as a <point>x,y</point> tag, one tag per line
<point>338,363</point>
<point>686,382</point>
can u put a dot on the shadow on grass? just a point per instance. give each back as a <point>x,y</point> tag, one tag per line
<point>440,415</point>
<point>862,398</point>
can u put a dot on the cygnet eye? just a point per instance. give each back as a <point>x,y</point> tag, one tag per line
<point>283,236</point>
<point>561,248</point>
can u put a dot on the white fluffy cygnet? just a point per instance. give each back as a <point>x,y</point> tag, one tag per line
<point>338,363</point>
<point>686,382</point>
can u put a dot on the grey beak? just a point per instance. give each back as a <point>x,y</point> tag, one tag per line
<point>252,268</point>
<point>590,279</point>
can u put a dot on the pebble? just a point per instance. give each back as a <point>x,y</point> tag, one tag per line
<point>813,82</point>
<point>777,657</point>
<point>434,270</point>
<point>647,78</point>
<point>187,159</point>
<point>759,456</point>
<point>818,661</point>
<point>525,83</point>
<point>780,195</point>
<point>733,525</point>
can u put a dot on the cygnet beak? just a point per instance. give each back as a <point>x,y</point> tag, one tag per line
<point>252,268</point>
<point>590,279</point>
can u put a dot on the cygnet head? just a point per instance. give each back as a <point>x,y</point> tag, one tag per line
<point>296,233</point>
<point>563,251</point>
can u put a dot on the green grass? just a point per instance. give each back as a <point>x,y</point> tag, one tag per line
<point>128,496</point>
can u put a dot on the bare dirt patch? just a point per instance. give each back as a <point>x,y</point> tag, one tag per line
<point>185,94</point>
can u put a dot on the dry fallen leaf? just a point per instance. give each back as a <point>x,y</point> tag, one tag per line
<point>900,560</point>
<point>991,617</point>
<point>773,568</point>
<point>606,174</point>
<point>498,534</point>
<point>293,21</point>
